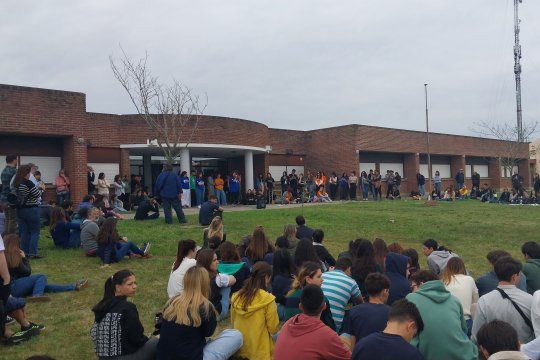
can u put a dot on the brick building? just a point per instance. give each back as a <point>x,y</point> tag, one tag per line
<point>53,129</point>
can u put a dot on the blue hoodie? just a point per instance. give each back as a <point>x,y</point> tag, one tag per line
<point>396,270</point>
<point>168,185</point>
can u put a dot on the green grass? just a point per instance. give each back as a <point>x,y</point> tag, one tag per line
<point>469,228</point>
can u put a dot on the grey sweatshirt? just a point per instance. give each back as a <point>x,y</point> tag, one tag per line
<point>89,232</point>
<point>493,306</point>
<point>437,261</point>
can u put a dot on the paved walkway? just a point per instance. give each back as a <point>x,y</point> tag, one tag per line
<point>230,208</point>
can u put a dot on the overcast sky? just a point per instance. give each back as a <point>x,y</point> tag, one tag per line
<point>298,64</point>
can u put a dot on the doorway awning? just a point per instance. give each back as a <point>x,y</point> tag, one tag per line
<point>198,150</point>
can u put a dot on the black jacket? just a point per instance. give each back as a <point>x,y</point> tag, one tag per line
<point>22,271</point>
<point>325,256</point>
<point>144,208</point>
<point>117,329</point>
<point>304,232</point>
<point>179,342</point>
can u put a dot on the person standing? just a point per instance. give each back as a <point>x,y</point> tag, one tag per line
<point>270,188</point>
<point>62,185</point>
<point>389,182</point>
<point>10,209</point>
<point>210,190</point>
<point>284,182</point>
<point>199,189</point>
<point>127,192</point>
<point>103,186</point>
<point>437,182</point>
<point>192,186</point>
<point>421,180</point>
<point>460,179</point>
<point>219,183</point>
<point>397,181</point>
<point>365,184</point>
<point>90,178</point>
<point>475,183</point>
<point>333,185</point>
<point>344,186</point>
<point>234,188</point>
<point>169,188</point>
<point>353,185</point>
<point>186,194</point>
<point>28,217</point>
<point>376,180</point>
<point>293,183</point>
<point>118,187</point>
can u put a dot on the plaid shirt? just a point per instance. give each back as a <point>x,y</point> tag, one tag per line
<point>7,175</point>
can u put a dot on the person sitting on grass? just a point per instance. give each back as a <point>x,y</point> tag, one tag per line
<point>214,229</point>
<point>147,206</point>
<point>322,253</point>
<point>259,248</point>
<point>220,284</point>
<point>370,317</point>
<point>230,264</point>
<point>117,330</point>
<point>444,325</point>
<point>209,210</point>
<point>282,278</point>
<point>185,259</point>
<point>437,256</point>
<point>404,323</point>
<point>309,273</point>
<point>464,192</point>
<point>305,251</point>
<point>489,281</point>
<point>23,282</point>
<point>531,268</point>
<point>322,195</point>
<point>117,205</point>
<point>189,318</point>
<point>499,340</point>
<point>16,309</point>
<point>113,248</point>
<point>394,193</point>
<point>505,196</point>
<point>397,270</point>
<point>506,302</point>
<point>290,242</point>
<point>89,230</point>
<point>340,289</point>
<point>414,265</point>
<point>449,194</point>
<point>254,314</point>
<point>305,336</point>
<point>61,230</point>
<point>287,197</point>
<point>302,230</point>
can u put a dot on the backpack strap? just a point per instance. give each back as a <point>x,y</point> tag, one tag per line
<point>516,306</point>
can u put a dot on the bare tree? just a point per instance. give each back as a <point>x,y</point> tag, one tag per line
<point>512,151</point>
<point>171,111</point>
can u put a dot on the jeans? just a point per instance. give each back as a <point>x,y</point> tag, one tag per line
<point>225,301</point>
<point>281,312</point>
<point>29,225</point>
<point>224,345</point>
<point>61,197</point>
<point>177,205</point>
<point>221,197</point>
<point>36,285</point>
<point>438,189</point>
<point>422,189</point>
<point>126,248</point>
<point>459,185</point>
<point>235,197</point>
<point>469,327</point>
<point>200,196</point>
<point>352,191</point>
<point>365,191</point>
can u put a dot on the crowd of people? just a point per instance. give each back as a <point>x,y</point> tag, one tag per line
<point>288,298</point>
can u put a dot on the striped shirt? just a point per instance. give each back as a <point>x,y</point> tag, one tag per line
<point>339,288</point>
<point>30,193</point>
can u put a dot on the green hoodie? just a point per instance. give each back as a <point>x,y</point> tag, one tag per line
<point>531,269</point>
<point>444,335</point>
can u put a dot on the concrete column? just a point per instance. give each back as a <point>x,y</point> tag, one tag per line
<point>411,166</point>
<point>147,172</point>
<point>248,167</point>
<point>185,161</point>
<point>457,162</point>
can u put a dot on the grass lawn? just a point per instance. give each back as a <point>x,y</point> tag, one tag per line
<point>470,228</point>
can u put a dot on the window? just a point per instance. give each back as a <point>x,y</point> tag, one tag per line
<point>277,171</point>
<point>506,172</point>
<point>397,167</point>
<point>109,169</point>
<point>444,170</point>
<point>48,166</point>
<point>366,167</point>
<point>482,170</point>
<point>468,171</point>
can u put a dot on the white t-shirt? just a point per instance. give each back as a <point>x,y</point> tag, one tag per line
<point>464,288</point>
<point>2,248</point>
<point>535,314</point>
<point>176,279</point>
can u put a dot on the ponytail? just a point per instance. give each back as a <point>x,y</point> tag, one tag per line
<point>118,278</point>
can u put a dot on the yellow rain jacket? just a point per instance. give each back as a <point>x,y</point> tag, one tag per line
<point>257,324</point>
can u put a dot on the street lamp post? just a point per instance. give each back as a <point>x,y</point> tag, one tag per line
<point>427,143</point>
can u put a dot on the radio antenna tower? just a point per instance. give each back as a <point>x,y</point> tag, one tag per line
<point>517,70</point>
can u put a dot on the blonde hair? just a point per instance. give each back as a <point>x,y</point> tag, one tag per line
<point>184,309</point>
<point>289,231</point>
<point>216,228</point>
<point>454,266</point>
<point>308,269</point>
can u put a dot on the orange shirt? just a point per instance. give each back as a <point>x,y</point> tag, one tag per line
<point>324,179</point>
<point>218,183</point>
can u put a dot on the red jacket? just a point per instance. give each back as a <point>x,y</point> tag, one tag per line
<point>306,337</point>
